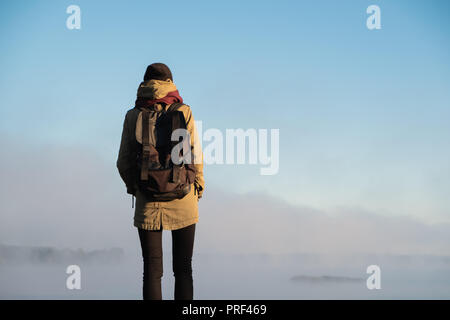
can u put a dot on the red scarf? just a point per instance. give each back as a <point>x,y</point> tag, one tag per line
<point>171,97</point>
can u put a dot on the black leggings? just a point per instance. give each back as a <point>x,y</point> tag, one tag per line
<point>182,248</point>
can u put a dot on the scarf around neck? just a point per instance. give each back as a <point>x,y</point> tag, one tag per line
<point>157,91</point>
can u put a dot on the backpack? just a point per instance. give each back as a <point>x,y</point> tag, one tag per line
<point>158,177</point>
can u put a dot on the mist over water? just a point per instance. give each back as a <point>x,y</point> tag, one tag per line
<point>247,246</point>
<point>231,276</point>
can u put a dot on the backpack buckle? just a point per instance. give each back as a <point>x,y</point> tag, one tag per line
<point>146,149</point>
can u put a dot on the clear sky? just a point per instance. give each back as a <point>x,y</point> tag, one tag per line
<point>363,114</point>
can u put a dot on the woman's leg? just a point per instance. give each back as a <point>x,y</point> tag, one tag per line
<point>151,244</point>
<point>182,249</point>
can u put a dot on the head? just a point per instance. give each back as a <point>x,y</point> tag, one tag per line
<point>158,71</point>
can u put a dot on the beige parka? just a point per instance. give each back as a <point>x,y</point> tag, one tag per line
<point>167,215</point>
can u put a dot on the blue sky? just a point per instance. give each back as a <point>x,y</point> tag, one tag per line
<point>363,115</point>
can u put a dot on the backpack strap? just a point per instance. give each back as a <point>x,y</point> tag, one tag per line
<point>177,119</point>
<point>178,122</point>
<point>145,145</point>
<point>174,106</point>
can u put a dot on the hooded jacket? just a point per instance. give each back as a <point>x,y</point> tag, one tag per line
<point>156,215</point>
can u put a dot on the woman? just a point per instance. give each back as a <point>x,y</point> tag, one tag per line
<point>151,217</point>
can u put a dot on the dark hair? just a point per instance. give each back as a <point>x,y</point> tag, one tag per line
<point>158,71</point>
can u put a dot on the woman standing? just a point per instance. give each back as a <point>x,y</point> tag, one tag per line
<point>151,217</point>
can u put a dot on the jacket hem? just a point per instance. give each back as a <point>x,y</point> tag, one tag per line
<point>150,226</point>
